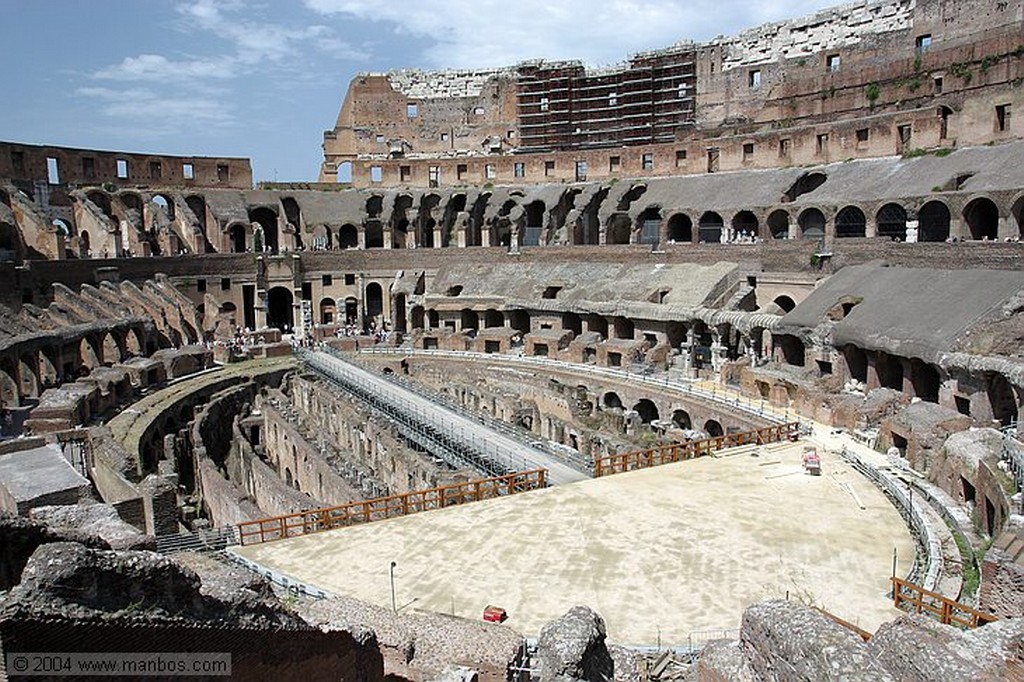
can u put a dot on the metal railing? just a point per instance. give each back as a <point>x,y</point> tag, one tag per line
<point>365,511</point>
<point>725,399</point>
<point>208,540</point>
<point>677,452</point>
<point>907,595</point>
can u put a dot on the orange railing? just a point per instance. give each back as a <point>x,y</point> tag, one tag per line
<point>677,452</point>
<point>907,595</point>
<point>364,511</point>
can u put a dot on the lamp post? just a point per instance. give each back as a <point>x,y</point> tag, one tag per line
<point>394,603</point>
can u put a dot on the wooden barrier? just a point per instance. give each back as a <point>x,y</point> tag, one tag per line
<point>364,511</point>
<point>945,610</point>
<point>677,452</point>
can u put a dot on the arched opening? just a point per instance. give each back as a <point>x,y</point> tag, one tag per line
<point>10,243</point>
<point>416,316</point>
<point>328,310</point>
<point>469,319</point>
<point>1017,211</point>
<point>619,228</point>
<point>647,410</point>
<point>982,217</point>
<point>681,418</point>
<point>649,224</point>
<point>110,349</point>
<point>494,318</point>
<point>374,233</point>
<point>351,310</point>
<point>535,211</point>
<point>598,324</point>
<point>792,349</point>
<point>713,428</point>
<point>399,313</point>
<point>778,224</point>
<point>744,226</point>
<point>680,229</point>
<point>925,379</point>
<point>9,395</point>
<point>89,353</point>
<point>624,328</point>
<point>520,321</point>
<point>279,308</point>
<point>710,228</point>
<point>28,373</point>
<point>374,302</point>
<point>322,239</point>
<point>808,182</point>
<point>933,222</point>
<point>892,222</point>
<point>433,320</point>
<point>784,303</point>
<point>856,363</point>
<point>344,172</point>
<point>851,222</point>
<point>348,237</point>
<point>267,219</point>
<point>1002,399</point>
<point>101,200</point>
<point>611,401</point>
<point>400,234</point>
<point>164,205</point>
<point>238,238</point>
<point>890,371</point>
<point>572,322</point>
<point>812,224</point>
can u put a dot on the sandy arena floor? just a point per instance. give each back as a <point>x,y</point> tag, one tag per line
<point>659,553</point>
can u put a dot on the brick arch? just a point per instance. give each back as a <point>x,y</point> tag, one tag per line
<point>1017,214</point>
<point>981,214</point>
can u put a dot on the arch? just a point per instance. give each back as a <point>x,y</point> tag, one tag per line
<point>62,227</point>
<point>164,204</point>
<point>535,214</point>
<point>110,349</point>
<point>416,316</point>
<point>925,379</point>
<point>624,328</point>
<point>1017,211</point>
<point>398,311</point>
<point>933,222</point>
<point>713,428</point>
<point>709,228</point>
<point>778,224</point>
<point>619,229</point>
<point>597,324</point>
<point>808,182</point>
<point>400,234</point>
<point>680,229</point>
<point>648,224</point>
<point>493,318</point>
<point>374,301</point>
<point>10,243</point>
<point>681,418</point>
<point>374,234</point>
<point>279,308</point>
<point>267,219</point>
<point>891,220</point>
<point>792,349</point>
<point>469,319</point>
<point>572,322</point>
<point>520,321</point>
<point>328,310</point>
<point>28,375</point>
<point>611,400</point>
<point>1002,399</point>
<point>889,370</point>
<point>9,395</point>
<point>238,234</point>
<point>850,222</point>
<point>89,353</point>
<point>745,223</point>
<point>348,236</point>
<point>784,302</point>
<point>856,362</point>
<point>812,224</point>
<point>647,410</point>
<point>982,218</point>
<point>101,200</point>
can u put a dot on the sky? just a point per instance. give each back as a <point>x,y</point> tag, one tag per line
<point>264,78</point>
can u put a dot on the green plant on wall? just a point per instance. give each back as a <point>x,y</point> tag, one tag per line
<point>873,91</point>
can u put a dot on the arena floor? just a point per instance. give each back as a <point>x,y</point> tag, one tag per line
<point>660,553</point>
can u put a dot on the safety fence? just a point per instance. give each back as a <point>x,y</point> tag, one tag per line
<point>677,452</point>
<point>907,595</point>
<point>364,511</point>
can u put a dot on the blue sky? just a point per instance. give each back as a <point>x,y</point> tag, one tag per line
<point>265,78</point>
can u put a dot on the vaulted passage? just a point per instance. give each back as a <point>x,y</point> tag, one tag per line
<point>850,222</point>
<point>933,222</point>
<point>279,308</point>
<point>982,218</point>
<point>892,222</point>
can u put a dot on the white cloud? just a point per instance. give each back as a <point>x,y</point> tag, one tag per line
<point>479,33</point>
<point>156,68</point>
<point>163,112</point>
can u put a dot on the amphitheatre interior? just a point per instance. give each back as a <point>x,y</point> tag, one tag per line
<point>767,346</point>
